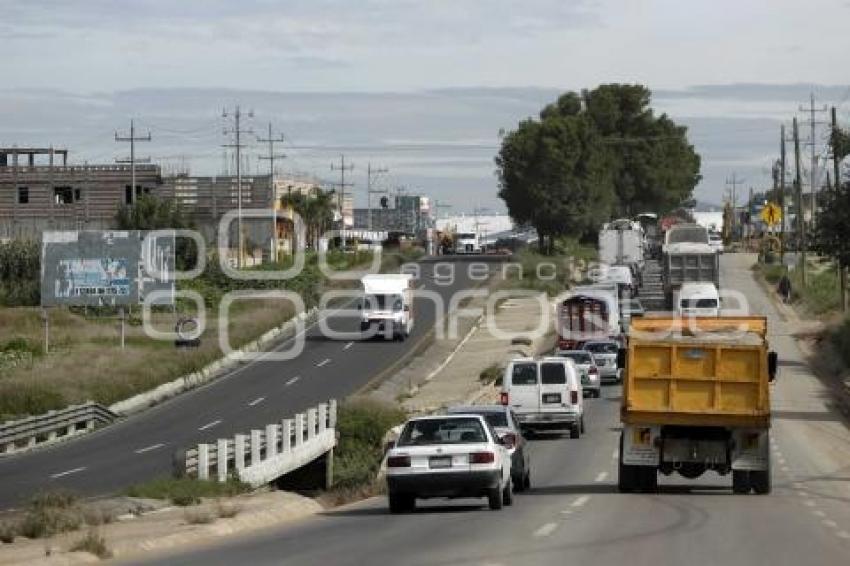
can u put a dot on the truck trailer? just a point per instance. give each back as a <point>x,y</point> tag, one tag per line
<point>696,397</point>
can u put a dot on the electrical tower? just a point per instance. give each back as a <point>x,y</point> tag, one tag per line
<point>272,156</point>
<point>237,132</point>
<point>813,142</point>
<point>132,138</point>
<point>342,186</point>
<point>734,182</point>
<point>369,192</point>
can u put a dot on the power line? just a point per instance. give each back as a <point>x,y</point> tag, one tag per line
<point>813,142</point>
<point>369,191</point>
<point>132,138</point>
<point>271,140</point>
<point>237,133</point>
<point>342,185</point>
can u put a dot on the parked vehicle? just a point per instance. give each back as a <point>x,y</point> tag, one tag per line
<point>544,394</point>
<point>605,354</point>
<point>629,309</point>
<point>387,305</point>
<point>448,456</point>
<point>588,313</point>
<point>698,299</point>
<point>696,397</point>
<point>588,371</point>
<point>505,423</point>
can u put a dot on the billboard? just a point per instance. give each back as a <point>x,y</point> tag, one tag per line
<point>104,268</point>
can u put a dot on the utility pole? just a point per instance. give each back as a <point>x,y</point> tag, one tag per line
<point>341,198</point>
<point>369,191</point>
<point>813,142</point>
<point>132,138</point>
<point>798,188</point>
<point>271,140</point>
<point>237,133</point>
<point>782,193</point>
<point>734,182</point>
<point>836,167</point>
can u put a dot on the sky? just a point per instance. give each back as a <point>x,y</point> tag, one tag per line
<point>422,87</point>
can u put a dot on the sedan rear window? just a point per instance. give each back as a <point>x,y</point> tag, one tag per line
<point>699,303</point>
<point>524,374</point>
<point>442,431</point>
<point>601,347</point>
<point>553,374</point>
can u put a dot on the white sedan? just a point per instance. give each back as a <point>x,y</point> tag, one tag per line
<point>448,456</point>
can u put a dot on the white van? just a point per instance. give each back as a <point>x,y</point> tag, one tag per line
<point>545,394</point>
<point>387,305</point>
<point>698,299</point>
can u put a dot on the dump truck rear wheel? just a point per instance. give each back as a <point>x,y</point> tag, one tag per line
<point>648,479</point>
<point>740,481</point>
<point>626,474</point>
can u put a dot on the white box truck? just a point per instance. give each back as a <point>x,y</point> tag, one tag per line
<point>621,242</point>
<point>387,305</point>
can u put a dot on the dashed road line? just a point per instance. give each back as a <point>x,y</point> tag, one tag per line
<point>209,425</point>
<point>256,401</point>
<point>829,523</point>
<point>324,362</point>
<point>149,448</point>
<point>843,534</point>
<point>615,455</point>
<point>601,476</point>
<point>67,472</point>
<point>809,503</point>
<point>580,501</point>
<point>545,530</point>
<point>819,513</point>
<point>567,512</point>
<point>292,380</point>
<point>347,346</point>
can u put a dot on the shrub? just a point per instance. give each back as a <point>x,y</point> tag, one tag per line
<point>8,531</point>
<point>841,340</point>
<point>361,425</point>
<point>198,516</point>
<point>92,543</point>
<point>186,491</point>
<point>227,510</point>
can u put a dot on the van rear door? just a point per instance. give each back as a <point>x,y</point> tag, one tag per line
<point>554,391</point>
<point>524,387</point>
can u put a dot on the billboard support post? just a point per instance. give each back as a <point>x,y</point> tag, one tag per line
<point>46,321</point>
<point>121,316</point>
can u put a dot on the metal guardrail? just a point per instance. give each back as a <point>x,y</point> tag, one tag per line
<point>264,454</point>
<point>53,426</point>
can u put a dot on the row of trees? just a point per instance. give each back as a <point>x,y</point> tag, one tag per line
<point>591,156</point>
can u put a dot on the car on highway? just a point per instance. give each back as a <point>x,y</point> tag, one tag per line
<point>605,355</point>
<point>545,394</point>
<point>588,371</point>
<point>448,456</point>
<point>505,423</point>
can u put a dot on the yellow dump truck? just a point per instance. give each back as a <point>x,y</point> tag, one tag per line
<point>696,397</point>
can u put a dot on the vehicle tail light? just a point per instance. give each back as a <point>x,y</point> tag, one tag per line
<point>509,440</point>
<point>504,399</point>
<point>398,462</point>
<point>574,397</point>
<point>482,458</point>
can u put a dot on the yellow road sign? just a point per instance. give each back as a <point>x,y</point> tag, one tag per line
<point>771,214</point>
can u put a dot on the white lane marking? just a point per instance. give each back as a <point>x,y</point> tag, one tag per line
<point>829,523</point>
<point>256,401</point>
<point>67,472</point>
<point>323,362</point>
<point>293,380</point>
<point>209,425</point>
<point>567,512</point>
<point>615,455</point>
<point>843,534</point>
<point>149,448</point>
<point>347,346</point>
<point>786,469</point>
<point>802,494</point>
<point>781,461</point>
<point>809,503</point>
<point>779,454</point>
<point>819,513</point>
<point>580,501</point>
<point>601,476</point>
<point>545,530</point>
<point>797,485</point>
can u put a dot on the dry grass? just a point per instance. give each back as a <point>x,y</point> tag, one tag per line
<point>92,543</point>
<point>226,510</point>
<point>196,516</point>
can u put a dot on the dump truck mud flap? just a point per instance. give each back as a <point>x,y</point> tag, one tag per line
<point>640,445</point>
<point>750,449</point>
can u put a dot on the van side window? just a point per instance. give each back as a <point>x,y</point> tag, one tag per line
<point>524,374</point>
<point>553,374</point>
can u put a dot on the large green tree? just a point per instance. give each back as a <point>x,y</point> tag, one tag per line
<point>591,156</point>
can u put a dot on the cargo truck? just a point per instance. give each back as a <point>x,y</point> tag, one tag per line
<point>696,397</point>
<point>589,312</point>
<point>688,262</point>
<point>621,242</point>
<point>387,305</point>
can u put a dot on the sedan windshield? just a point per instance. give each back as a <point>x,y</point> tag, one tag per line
<point>458,430</point>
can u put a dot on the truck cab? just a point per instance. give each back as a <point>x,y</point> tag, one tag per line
<point>387,305</point>
<point>698,299</point>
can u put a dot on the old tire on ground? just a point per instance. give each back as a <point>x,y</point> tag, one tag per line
<point>740,481</point>
<point>494,498</point>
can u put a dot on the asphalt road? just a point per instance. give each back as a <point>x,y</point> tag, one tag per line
<point>574,515</point>
<point>249,396</point>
